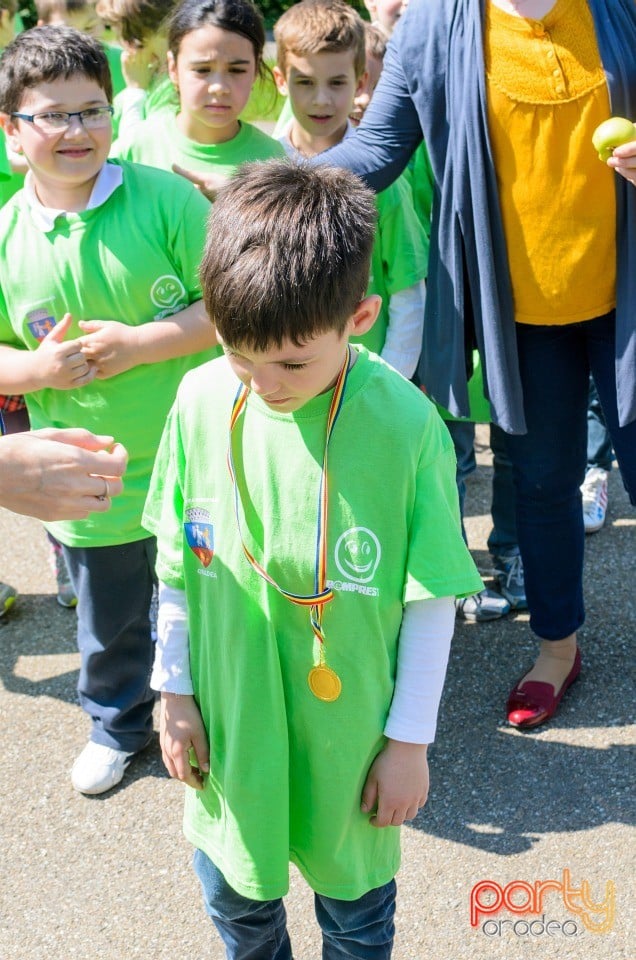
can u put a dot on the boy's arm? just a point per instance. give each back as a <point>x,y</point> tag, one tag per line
<point>114,347</point>
<point>56,363</point>
<point>403,342</point>
<point>184,744</point>
<point>397,782</point>
<point>404,255</point>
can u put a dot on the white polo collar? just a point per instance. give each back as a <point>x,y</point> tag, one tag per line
<point>108,179</point>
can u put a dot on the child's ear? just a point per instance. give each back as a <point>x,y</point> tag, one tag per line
<point>10,128</point>
<point>362,83</point>
<point>366,313</point>
<point>281,83</point>
<point>172,68</point>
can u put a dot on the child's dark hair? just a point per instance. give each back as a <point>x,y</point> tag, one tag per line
<point>135,20</point>
<point>46,54</point>
<point>320,26</point>
<point>235,16</point>
<point>287,254</point>
<point>11,6</point>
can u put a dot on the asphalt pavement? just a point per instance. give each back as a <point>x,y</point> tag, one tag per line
<point>109,878</point>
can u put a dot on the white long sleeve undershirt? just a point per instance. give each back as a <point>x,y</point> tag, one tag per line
<point>424,644</point>
<point>403,340</point>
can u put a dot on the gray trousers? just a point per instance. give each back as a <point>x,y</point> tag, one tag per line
<point>113,586</point>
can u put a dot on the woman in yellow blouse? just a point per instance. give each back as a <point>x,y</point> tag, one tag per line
<point>533,257</point>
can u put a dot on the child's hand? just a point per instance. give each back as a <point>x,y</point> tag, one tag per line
<point>61,363</point>
<point>110,346</point>
<point>138,65</point>
<point>623,161</point>
<point>180,731</point>
<point>208,184</point>
<point>397,784</point>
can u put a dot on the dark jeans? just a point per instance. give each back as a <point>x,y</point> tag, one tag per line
<point>113,586</point>
<point>599,443</point>
<point>549,461</point>
<point>503,536</point>
<point>257,929</point>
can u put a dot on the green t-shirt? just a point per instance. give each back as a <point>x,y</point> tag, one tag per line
<point>400,255</point>
<point>133,259</point>
<point>158,142</point>
<point>287,770</point>
<point>113,55</point>
<point>161,97</point>
<point>419,174</point>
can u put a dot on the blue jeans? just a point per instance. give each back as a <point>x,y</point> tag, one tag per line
<point>113,586</point>
<point>503,536</point>
<point>549,461</point>
<point>257,929</point>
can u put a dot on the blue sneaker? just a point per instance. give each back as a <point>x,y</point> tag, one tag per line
<point>510,580</point>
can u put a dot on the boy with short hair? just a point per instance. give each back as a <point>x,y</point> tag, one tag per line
<point>100,317</point>
<point>321,54</point>
<point>305,506</point>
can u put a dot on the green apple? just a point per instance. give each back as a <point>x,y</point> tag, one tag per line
<point>611,133</point>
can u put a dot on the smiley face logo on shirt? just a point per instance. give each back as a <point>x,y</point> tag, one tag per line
<point>357,554</point>
<point>167,292</point>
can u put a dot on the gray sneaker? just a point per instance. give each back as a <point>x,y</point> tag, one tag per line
<point>510,580</point>
<point>65,593</point>
<point>481,607</point>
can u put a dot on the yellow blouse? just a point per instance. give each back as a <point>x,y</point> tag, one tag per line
<point>546,94</point>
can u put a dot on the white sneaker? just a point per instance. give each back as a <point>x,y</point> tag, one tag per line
<point>99,768</point>
<point>594,490</point>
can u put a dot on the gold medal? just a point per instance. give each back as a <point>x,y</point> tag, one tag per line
<point>324,683</point>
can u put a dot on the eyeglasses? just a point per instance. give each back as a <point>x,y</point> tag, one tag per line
<point>94,118</point>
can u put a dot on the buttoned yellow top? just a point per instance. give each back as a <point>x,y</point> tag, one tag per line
<point>546,94</point>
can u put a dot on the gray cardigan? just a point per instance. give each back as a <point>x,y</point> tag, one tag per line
<point>433,87</point>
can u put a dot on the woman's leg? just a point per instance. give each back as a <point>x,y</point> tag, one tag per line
<point>548,468</point>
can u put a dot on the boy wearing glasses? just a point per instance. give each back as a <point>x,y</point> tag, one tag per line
<point>100,317</point>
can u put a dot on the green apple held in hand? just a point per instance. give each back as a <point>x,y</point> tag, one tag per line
<point>612,133</point>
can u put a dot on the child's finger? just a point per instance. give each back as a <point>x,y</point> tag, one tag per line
<point>369,795</point>
<point>188,174</point>
<point>59,331</point>
<point>184,770</point>
<point>200,753</point>
<point>385,815</point>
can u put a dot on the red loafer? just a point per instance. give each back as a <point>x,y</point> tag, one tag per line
<point>534,702</point>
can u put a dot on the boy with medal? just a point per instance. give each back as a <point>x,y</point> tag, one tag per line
<point>310,552</point>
